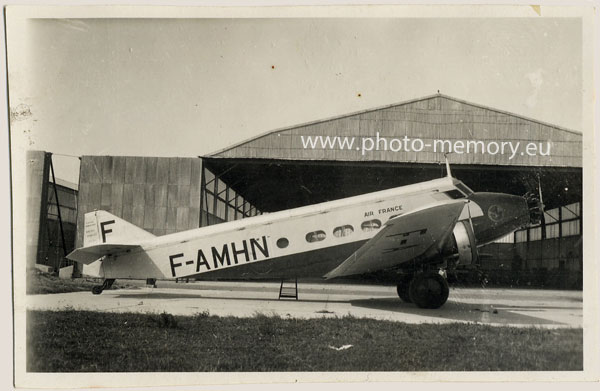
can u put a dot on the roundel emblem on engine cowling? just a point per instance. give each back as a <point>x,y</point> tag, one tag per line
<point>495,213</point>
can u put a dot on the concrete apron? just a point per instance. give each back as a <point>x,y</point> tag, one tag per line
<point>514,307</point>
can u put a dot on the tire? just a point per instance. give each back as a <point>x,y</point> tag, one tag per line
<point>97,289</point>
<point>403,292</point>
<point>429,290</point>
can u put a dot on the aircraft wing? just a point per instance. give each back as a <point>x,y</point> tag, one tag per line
<point>90,254</point>
<point>413,236</point>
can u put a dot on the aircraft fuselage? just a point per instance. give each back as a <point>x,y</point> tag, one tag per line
<point>308,241</point>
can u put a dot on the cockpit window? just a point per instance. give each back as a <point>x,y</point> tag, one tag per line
<point>454,194</point>
<point>464,188</point>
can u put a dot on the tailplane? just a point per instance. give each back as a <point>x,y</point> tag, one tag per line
<point>106,235</point>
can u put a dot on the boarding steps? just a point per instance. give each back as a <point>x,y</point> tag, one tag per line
<point>288,289</point>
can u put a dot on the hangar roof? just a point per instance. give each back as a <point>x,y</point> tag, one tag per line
<point>481,130</point>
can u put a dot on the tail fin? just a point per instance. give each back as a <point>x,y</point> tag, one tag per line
<point>102,227</point>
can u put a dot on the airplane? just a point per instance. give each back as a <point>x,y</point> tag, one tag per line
<point>413,233</point>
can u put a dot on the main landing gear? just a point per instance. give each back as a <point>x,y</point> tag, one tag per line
<point>97,289</point>
<point>425,289</point>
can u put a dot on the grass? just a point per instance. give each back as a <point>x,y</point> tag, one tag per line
<point>83,341</point>
<point>39,283</point>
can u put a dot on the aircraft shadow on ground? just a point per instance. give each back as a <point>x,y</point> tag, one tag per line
<point>160,296</point>
<point>452,310</point>
<point>165,295</point>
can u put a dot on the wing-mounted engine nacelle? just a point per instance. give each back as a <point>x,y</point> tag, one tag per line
<point>462,244</point>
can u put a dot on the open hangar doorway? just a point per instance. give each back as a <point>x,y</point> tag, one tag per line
<point>545,255</point>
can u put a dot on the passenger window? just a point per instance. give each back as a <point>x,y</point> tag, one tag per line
<point>370,225</point>
<point>282,242</point>
<point>342,231</point>
<point>315,236</point>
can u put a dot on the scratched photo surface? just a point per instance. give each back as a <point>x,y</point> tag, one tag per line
<point>232,195</point>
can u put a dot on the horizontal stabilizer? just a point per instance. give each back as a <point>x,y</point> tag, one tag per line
<point>90,254</point>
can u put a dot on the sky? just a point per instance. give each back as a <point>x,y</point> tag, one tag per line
<point>189,87</point>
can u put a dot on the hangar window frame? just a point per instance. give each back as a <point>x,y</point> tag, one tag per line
<point>220,202</point>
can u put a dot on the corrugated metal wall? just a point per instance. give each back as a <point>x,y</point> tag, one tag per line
<point>438,117</point>
<point>161,195</point>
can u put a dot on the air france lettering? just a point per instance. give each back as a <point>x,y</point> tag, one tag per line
<point>229,254</point>
<point>395,208</point>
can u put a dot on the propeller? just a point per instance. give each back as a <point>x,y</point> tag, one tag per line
<point>535,203</point>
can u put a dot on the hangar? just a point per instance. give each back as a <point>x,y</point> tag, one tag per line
<point>52,214</point>
<point>357,153</point>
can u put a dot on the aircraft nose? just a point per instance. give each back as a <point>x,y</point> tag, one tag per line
<point>506,209</point>
<point>502,214</point>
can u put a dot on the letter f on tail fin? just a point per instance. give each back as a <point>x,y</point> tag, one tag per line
<point>106,234</point>
<point>102,227</point>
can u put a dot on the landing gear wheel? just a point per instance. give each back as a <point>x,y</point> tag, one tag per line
<point>97,289</point>
<point>403,291</point>
<point>429,290</point>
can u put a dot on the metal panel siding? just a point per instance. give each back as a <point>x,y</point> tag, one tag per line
<point>171,218</point>
<point>437,117</point>
<point>158,194</point>
<point>128,194</point>
<point>182,218</point>
<point>149,194</point>
<point>184,171</point>
<point>106,195</point>
<point>150,164</point>
<point>162,170</point>
<point>118,169</point>
<point>149,218</point>
<point>107,164</point>
<point>172,198</point>
<point>138,215</point>
<point>129,170</point>
<point>173,165</point>
<point>138,195</point>
<point>139,171</point>
<point>160,217</point>
<point>183,195</point>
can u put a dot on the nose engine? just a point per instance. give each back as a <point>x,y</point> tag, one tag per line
<point>462,243</point>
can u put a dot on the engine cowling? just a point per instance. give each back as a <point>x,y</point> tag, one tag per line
<point>462,243</point>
